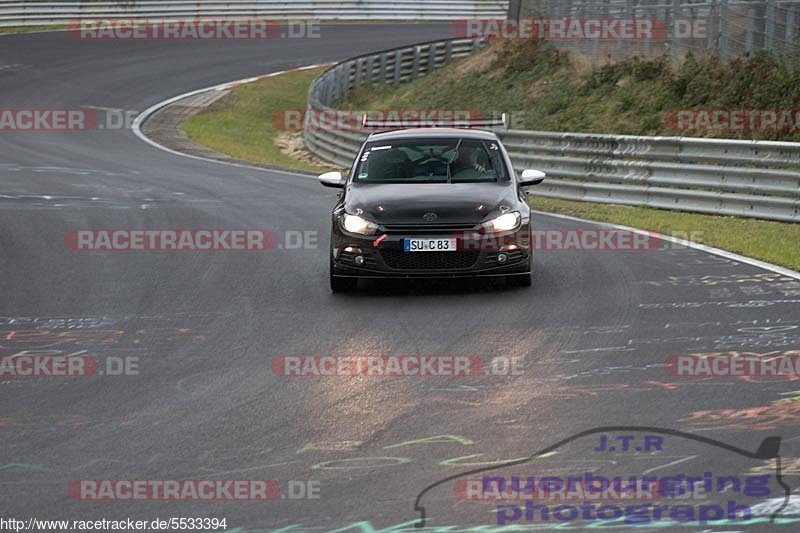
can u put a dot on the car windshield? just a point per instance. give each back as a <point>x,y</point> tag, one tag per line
<point>449,160</point>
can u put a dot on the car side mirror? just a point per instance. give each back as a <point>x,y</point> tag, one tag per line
<point>333,180</point>
<point>531,177</point>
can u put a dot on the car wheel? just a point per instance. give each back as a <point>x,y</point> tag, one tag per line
<point>342,284</point>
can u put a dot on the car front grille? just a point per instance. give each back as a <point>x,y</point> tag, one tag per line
<point>400,260</point>
<point>431,229</point>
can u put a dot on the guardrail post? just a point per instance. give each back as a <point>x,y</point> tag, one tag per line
<point>398,67</point>
<point>675,41</point>
<point>432,50</point>
<point>769,26</point>
<point>344,80</point>
<point>345,88</point>
<point>476,45</point>
<point>382,76</point>
<point>724,13</point>
<point>335,84</point>
<point>751,31</point>
<point>791,28</point>
<point>415,64</point>
<point>647,49</point>
<point>370,69</point>
<point>595,50</point>
<point>357,75</point>
<point>563,8</point>
<point>711,23</point>
<point>333,89</point>
<point>623,46</point>
<point>327,92</point>
<point>448,52</point>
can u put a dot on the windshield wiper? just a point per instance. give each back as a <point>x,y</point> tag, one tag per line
<point>449,172</point>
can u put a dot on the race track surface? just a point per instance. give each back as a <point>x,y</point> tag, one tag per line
<point>593,332</point>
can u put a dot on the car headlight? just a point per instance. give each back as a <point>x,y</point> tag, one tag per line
<point>358,225</point>
<point>507,222</point>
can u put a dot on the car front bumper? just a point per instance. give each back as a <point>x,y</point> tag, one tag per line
<point>384,257</point>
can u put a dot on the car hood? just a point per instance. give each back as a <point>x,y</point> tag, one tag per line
<point>462,203</point>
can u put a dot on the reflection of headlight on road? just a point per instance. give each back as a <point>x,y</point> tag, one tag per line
<point>507,222</point>
<point>356,224</point>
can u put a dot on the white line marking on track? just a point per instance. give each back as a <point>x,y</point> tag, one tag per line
<point>611,349</point>
<point>144,115</point>
<point>107,109</point>
<point>702,247</point>
<point>673,463</point>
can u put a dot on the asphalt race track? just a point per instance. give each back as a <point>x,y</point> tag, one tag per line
<point>593,332</point>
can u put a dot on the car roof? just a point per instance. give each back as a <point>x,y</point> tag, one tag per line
<point>424,133</point>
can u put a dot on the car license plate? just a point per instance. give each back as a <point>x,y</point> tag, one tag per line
<point>430,245</point>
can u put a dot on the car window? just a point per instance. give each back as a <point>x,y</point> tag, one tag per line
<point>496,158</point>
<point>474,163</point>
<point>450,160</point>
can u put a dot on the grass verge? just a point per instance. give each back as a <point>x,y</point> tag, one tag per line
<point>774,242</point>
<point>242,124</point>
<point>549,90</point>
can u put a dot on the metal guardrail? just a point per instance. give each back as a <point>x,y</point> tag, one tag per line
<point>758,179</point>
<point>389,67</point>
<point>37,13</point>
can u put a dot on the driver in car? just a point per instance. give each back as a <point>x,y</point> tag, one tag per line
<point>468,164</point>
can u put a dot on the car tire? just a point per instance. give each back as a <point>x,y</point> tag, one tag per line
<point>342,284</point>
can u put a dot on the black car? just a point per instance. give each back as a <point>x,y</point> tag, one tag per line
<point>431,203</point>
